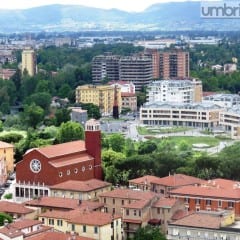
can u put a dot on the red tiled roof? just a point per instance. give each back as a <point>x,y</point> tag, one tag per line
<point>83,186</point>
<point>11,207</point>
<point>201,220</point>
<point>132,221</point>
<point>177,180</point>
<point>206,191</point>
<point>205,94</point>
<point>62,149</point>
<point>129,194</point>
<point>179,214</point>
<point>70,160</point>
<point>10,233</point>
<point>5,145</point>
<point>139,204</point>
<point>165,203</point>
<point>145,180</point>
<point>24,223</point>
<point>223,183</point>
<point>63,203</point>
<point>56,235</point>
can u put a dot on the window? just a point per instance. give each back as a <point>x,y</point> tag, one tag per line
<point>186,200</point>
<point>104,200</point>
<point>51,221</point>
<point>158,210</point>
<point>197,201</point>
<point>219,203</point>
<point>68,172</point>
<point>208,202</point>
<point>75,170</point>
<point>113,210</point>
<point>73,227</point>
<point>162,191</point>
<point>127,212</point>
<point>122,202</point>
<point>230,204</point>
<point>140,213</point>
<point>84,228</point>
<point>113,201</point>
<point>135,212</point>
<point>59,222</point>
<point>43,220</point>
<point>96,230</point>
<point>60,174</point>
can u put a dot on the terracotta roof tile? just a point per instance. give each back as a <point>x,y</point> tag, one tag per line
<point>129,194</point>
<point>206,191</point>
<point>56,235</point>
<point>62,149</point>
<point>24,223</point>
<point>144,180</point>
<point>82,186</point>
<point>165,203</point>
<point>10,233</point>
<point>63,203</point>
<point>139,204</point>
<point>11,207</point>
<point>201,220</point>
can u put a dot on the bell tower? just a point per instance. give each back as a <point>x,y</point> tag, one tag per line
<point>93,145</point>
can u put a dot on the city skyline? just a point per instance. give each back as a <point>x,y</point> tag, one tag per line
<point>133,5</point>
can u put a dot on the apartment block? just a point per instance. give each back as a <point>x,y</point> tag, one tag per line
<point>174,65</point>
<point>201,115</point>
<point>136,69</point>
<point>7,154</point>
<point>180,91</point>
<point>100,95</point>
<point>105,67</point>
<point>29,62</point>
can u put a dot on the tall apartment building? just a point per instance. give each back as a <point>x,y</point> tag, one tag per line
<point>29,62</point>
<point>105,66</point>
<point>136,69</point>
<point>184,91</point>
<point>100,95</point>
<point>174,64</point>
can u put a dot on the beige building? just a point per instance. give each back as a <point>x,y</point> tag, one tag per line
<point>7,153</point>
<point>198,115</point>
<point>95,225</point>
<point>29,62</point>
<point>84,190</point>
<point>129,100</point>
<point>102,96</point>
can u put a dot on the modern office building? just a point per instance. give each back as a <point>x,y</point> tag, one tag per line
<point>29,62</point>
<point>136,69</point>
<point>174,65</point>
<point>100,95</point>
<point>180,114</point>
<point>181,91</point>
<point>105,67</point>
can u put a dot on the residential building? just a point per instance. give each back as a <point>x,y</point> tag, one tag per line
<point>215,195</point>
<point>29,62</point>
<point>17,210</point>
<point>174,65</point>
<point>105,67</point>
<point>223,100</point>
<point>76,160</point>
<point>136,69</point>
<point>134,206</point>
<point>22,229</point>
<point>205,225</point>
<point>3,171</point>
<point>57,235</point>
<point>229,67</point>
<point>94,225</point>
<point>180,91</point>
<point>163,185</point>
<point>155,56</point>
<point>199,115</point>
<point>84,190</point>
<point>126,87</point>
<point>79,115</point>
<point>101,95</point>
<point>129,100</point>
<point>6,74</point>
<point>7,153</point>
<point>62,204</point>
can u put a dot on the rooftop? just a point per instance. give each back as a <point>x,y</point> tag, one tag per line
<point>165,203</point>
<point>11,207</point>
<point>5,145</point>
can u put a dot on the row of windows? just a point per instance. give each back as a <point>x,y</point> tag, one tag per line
<point>75,170</point>
<point>209,202</point>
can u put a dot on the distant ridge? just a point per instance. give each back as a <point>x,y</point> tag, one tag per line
<point>162,16</point>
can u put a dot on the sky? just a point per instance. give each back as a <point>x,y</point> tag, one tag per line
<point>127,5</point>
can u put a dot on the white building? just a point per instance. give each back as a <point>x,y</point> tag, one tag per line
<point>180,114</point>
<point>223,100</point>
<point>126,86</point>
<point>181,91</point>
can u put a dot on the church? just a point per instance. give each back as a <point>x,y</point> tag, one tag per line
<point>43,167</point>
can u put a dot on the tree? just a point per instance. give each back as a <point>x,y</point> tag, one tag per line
<point>149,233</point>
<point>92,110</point>
<point>33,115</point>
<point>117,142</point>
<point>70,131</point>
<point>147,147</point>
<point>5,217</point>
<point>62,115</point>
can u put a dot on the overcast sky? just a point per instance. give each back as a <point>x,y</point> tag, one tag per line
<point>128,5</point>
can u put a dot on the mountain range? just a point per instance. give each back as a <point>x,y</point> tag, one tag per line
<point>170,16</point>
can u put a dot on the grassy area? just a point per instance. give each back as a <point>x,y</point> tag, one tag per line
<point>160,130</point>
<point>210,141</point>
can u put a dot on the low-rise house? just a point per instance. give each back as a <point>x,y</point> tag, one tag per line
<point>22,229</point>
<point>217,194</point>
<point>129,100</point>
<point>7,152</point>
<point>63,204</point>
<point>16,210</point>
<point>79,115</point>
<point>95,225</point>
<point>84,190</point>
<point>165,184</point>
<point>205,225</point>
